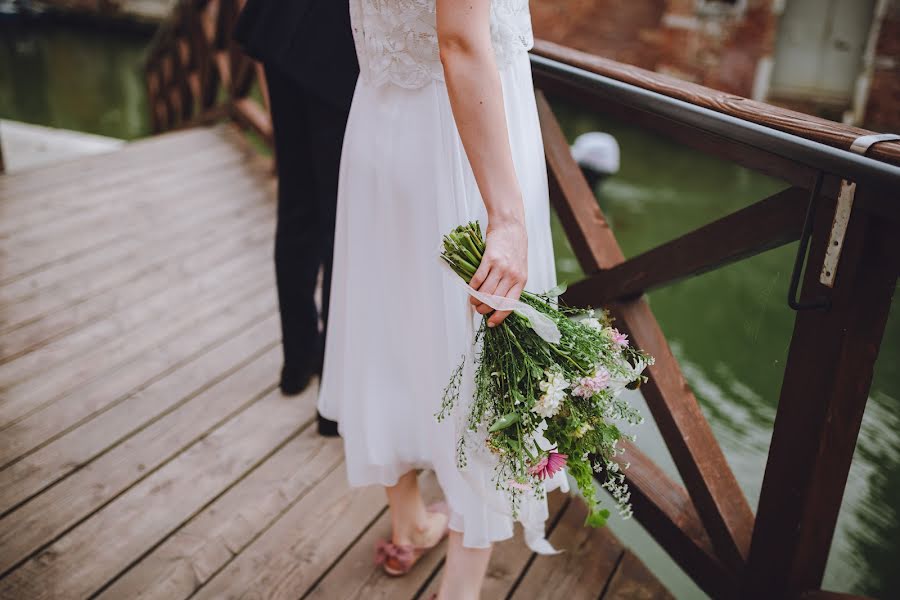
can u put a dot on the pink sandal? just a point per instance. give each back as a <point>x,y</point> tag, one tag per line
<point>396,559</point>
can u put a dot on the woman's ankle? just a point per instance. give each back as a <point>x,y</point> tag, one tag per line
<point>418,530</point>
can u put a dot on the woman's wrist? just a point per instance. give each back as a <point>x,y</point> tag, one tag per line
<point>504,218</point>
<point>510,213</point>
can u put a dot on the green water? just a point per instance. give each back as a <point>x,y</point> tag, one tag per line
<point>73,79</point>
<point>729,329</point>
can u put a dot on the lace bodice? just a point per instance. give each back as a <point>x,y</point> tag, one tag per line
<point>396,40</point>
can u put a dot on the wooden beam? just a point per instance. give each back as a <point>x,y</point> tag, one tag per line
<point>199,36</point>
<point>263,87</point>
<point>586,227</point>
<point>710,482</point>
<point>151,80</point>
<point>768,224</point>
<point>664,508</point>
<point>222,68</point>
<point>243,73</point>
<point>827,377</point>
<point>181,87</point>
<point>249,113</point>
<point>807,126</point>
<point>226,17</point>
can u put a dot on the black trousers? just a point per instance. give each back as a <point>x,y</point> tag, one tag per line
<point>309,133</point>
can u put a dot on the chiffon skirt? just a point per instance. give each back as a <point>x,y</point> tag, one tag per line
<point>399,323</point>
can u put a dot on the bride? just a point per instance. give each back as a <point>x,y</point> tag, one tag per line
<point>443,130</point>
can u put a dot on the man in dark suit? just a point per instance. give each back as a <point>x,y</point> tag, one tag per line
<point>307,50</point>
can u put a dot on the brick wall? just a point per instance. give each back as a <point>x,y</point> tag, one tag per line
<point>718,48</point>
<point>623,30</point>
<point>707,43</point>
<point>883,107</point>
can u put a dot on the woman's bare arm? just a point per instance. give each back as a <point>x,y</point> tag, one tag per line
<point>476,97</point>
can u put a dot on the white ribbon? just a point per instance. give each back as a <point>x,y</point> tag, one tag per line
<point>538,321</point>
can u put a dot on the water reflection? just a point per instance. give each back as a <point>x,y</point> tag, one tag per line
<point>730,330</point>
<point>63,77</point>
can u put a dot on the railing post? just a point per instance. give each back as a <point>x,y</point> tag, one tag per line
<point>823,396</point>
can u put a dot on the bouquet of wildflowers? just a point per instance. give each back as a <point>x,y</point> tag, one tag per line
<point>564,393</point>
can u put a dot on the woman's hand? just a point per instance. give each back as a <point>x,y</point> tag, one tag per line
<point>504,267</point>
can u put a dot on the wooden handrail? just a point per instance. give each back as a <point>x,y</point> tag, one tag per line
<point>806,126</point>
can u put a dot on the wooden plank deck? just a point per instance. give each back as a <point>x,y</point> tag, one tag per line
<point>145,450</point>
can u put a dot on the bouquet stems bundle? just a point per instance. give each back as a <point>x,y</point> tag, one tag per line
<point>544,406</point>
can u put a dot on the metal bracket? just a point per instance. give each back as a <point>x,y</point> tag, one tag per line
<point>793,301</point>
<point>844,207</point>
<point>838,230</point>
<point>862,144</point>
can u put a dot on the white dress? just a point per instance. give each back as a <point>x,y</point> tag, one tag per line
<point>398,323</point>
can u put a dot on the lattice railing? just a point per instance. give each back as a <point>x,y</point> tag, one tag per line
<point>196,73</point>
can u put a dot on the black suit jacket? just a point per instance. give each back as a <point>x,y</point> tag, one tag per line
<point>309,40</point>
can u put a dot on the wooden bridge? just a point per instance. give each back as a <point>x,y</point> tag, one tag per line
<point>145,451</point>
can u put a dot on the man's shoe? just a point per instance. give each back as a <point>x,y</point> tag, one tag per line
<point>293,382</point>
<point>327,428</point>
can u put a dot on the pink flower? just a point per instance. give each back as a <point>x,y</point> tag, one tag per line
<point>582,390</point>
<point>588,386</point>
<point>518,486</point>
<point>620,339</point>
<point>549,465</point>
<point>540,466</point>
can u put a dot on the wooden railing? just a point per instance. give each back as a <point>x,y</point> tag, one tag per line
<point>707,526</point>
<point>195,72</point>
<point>842,206</point>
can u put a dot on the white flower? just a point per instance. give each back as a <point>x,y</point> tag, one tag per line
<point>593,323</point>
<point>536,442</point>
<point>629,373</point>
<point>554,388</point>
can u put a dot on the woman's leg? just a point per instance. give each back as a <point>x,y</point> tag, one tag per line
<point>464,570</point>
<point>412,523</point>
